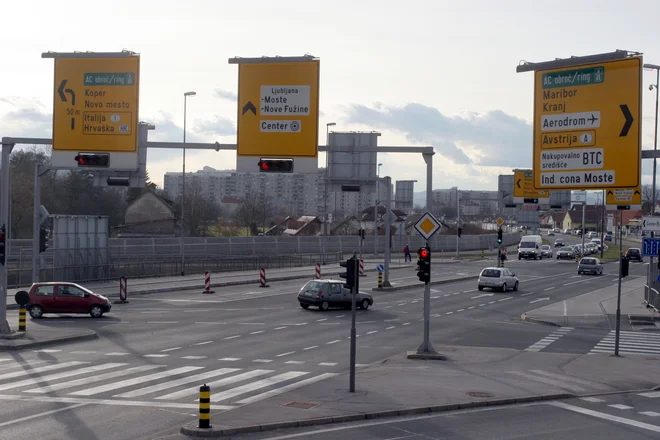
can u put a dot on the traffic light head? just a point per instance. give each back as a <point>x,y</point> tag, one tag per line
<point>460,231</point>
<point>424,264</point>
<point>351,276</point>
<point>499,236</point>
<point>98,160</point>
<point>2,245</point>
<point>43,239</point>
<point>276,166</point>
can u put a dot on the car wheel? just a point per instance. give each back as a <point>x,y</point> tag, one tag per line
<point>36,312</point>
<point>96,311</point>
<point>518,258</point>
<point>579,272</point>
<point>504,287</point>
<point>324,306</point>
<point>558,257</point>
<point>480,287</point>
<point>304,306</point>
<point>515,286</point>
<point>364,305</point>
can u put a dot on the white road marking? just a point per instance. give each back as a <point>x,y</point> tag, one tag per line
<point>328,364</point>
<point>491,302</point>
<point>372,332</point>
<point>280,328</point>
<point>295,362</point>
<point>194,357</point>
<point>481,305</point>
<point>83,352</point>
<point>650,413</point>
<point>340,316</point>
<point>87,402</point>
<point>619,406</point>
<point>471,307</point>
<point>263,361</point>
<point>285,388</point>
<point>284,354</point>
<point>92,379</point>
<point>252,386</point>
<point>322,319</point>
<point>333,342</point>
<point>257,332</point>
<point>156,355</point>
<point>592,399</point>
<point>251,323</point>
<point>405,323</point>
<point>230,359</point>
<point>460,310</point>
<point>548,288</point>
<point>311,348</point>
<point>204,343</point>
<point>162,322</point>
<point>390,327</point>
<point>170,349</point>
<point>41,369</point>
<point>526,294</point>
<point>46,351</point>
<point>45,413</point>
<point>449,313</point>
<point>232,337</point>
<point>505,299</point>
<point>605,416</point>
<point>210,323</point>
<point>175,383</point>
<point>57,376</point>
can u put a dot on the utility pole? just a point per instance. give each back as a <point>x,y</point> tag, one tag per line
<point>458,220</point>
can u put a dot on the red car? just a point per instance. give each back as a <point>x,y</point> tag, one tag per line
<point>62,297</point>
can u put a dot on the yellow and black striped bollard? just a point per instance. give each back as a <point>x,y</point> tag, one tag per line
<point>380,280</point>
<point>482,253</point>
<point>21,319</point>
<point>204,406</point>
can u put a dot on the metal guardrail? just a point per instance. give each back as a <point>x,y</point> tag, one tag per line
<point>651,298</point>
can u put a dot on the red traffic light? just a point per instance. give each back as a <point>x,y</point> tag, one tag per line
<point>423,253</point>
<point>101,160</point>
<point>276,165</point>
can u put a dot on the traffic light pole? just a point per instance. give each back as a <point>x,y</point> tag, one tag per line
<point>388,233</point>
<point>5,330</point>
<point>356,277</point>
<point>427,347</point>
<point>618,296</point>
<point>35,224</point>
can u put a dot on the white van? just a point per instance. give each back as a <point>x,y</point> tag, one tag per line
<point>530,247</point>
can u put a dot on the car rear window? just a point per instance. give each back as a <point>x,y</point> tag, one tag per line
<point>588,261</point>
<point>633,251</point>
<point>492,273</point>
<point>44,290</point>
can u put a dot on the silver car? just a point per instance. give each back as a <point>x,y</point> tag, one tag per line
<point>546,251</point>
<point>590,265</point>
<point>497,278</point>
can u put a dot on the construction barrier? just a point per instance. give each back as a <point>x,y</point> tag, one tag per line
<point>207,282</point>
<point>380,280</point>
<point>123,291</point>
<point>21,319</point>
<point>262,278</point>
<point>318,271</point>
<point>204,407</point>
<point>362,274</point>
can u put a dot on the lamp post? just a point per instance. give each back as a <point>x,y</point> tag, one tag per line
<point>183,190</point>
<point>655,142</point>
<point>325,185</point>
<point>376,211</point>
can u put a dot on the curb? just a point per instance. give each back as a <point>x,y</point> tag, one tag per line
<point>193,431</point>
<point>524,317</point>
<point>73,338</point>
<point>432,283</point>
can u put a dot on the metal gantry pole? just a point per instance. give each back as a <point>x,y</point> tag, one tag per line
<point>183,190</point>
<point>388,232</point>
<point>458,220</point>
<point>356,274</point>
<point>602,226</point>
<point>618,296</point>
<point>655,161</point>
<point>36,224</point>
<point>584,205</point>
<point>4,220</point>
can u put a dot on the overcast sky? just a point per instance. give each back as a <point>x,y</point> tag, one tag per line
<point>438,73</point>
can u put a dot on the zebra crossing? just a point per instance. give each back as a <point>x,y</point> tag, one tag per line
<point>119,383</point>
<point>629,343</point>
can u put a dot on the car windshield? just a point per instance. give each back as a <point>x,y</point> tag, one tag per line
<point>546,247</point>
<point>527,245</point>
<point>492,273</point>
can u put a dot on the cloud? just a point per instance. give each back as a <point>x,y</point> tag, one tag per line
<point>493,138</point>
<point>225,94</point>
<point>26,118</point>
<point>218,126</point>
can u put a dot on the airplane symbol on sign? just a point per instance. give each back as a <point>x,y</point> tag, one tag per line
<point>592,119</point>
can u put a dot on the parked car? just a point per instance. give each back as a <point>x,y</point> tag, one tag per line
<point>559,243</point>
<point>62,297</point>
<point>328,293</point>
<point>566,252</point>
<point>634,254</point>
<point>592,234</point>
<point>590,265</point>
<point>497,278</point>
<point>546,251</point>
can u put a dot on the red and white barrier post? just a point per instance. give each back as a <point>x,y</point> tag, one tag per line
<point>207,282</point>
<point>123,291</point>
<point>362,274</point>
<point>318,271</point>
<point>262,278</point>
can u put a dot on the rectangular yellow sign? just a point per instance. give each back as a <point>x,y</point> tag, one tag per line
<point>587,126</point>
<point>278,109</point>
<point>523,186</point>
<point>95,106</point>
<point>628,196</point>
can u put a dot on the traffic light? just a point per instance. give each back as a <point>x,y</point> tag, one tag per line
<point>43,239</point>
<point>352,280</point>
<point>625,263</point>
<point>362,233</point>
<point>276,166</point>
<point>424,264</point>
<point>530,200</point>
<point>499,236</point>
<point>2,245</point>
<point>460,231</point>
<point>100,160</point>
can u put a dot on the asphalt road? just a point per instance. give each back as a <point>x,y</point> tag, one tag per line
<point>629,416</point>
<point>141,377</point>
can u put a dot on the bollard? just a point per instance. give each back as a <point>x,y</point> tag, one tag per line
<point>362,274</point>
<point>482,253</point>
<point>576,258</point>
<point>318,271</point>
<point>204,407</point>
<point>262,278</point>
<point>21,319</point>
<point>380,280</point>
<point>123,291</point>
<point>207,282</point>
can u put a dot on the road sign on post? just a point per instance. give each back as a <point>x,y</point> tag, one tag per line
<point>587,125</point>
<point>427,225</point>
<point>629,198</point>
<point>651,224</point>
<point>523,188</point>
<point>95,110</point>
<point>278,107</point>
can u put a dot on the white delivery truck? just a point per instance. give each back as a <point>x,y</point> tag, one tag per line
<point>530,247</point>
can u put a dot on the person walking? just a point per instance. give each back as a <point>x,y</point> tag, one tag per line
<point>406,254</point>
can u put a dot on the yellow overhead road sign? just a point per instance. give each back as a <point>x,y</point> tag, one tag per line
<point>587,126</point>
<point>523,186</point>
<point>628,196</point>
<point>95,106</point>
<point>278,109</point>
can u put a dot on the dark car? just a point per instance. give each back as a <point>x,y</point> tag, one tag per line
<point>634,254</point>
<point>326,294</point>
<point>566,253</point>
<point>559,243</point>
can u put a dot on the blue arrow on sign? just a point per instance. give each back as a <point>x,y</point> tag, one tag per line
<point>650,247</point>
<point>380,268</point>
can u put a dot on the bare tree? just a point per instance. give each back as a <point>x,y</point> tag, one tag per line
<point>647,198</point>
<point>248,213</point>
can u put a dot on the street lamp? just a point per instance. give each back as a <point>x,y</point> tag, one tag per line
<point>183,190</point>
<point>655,137</point>
<point>376,211</point>
<point>325,186</point>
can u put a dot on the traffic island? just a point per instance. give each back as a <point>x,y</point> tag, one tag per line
<point>38,337</point>
<point>426,356</point>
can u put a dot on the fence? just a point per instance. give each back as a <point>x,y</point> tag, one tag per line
<point>143,257</point>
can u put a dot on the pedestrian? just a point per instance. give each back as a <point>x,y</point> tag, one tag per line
<point>406,254</point>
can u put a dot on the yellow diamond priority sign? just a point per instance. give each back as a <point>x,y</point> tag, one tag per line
<point>427,225</point>
<point>499,221</point>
